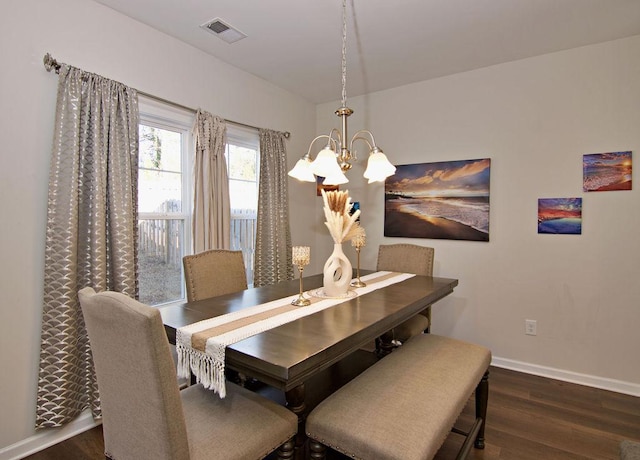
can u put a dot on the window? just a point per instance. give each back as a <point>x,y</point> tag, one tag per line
<point>164,197</point>
<point>243,161</point>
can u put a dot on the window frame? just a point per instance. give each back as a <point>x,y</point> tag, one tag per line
<point>248,138</point>
<point>165,116</point>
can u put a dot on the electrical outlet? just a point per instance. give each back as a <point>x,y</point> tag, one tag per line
<point>530,326</point>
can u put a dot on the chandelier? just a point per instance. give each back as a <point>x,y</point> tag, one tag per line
<point>336,157</point>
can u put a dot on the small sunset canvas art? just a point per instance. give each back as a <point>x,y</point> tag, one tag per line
<point>560,216</point>
<point>606,171</point>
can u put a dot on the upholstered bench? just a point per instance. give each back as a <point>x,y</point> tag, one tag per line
<point>629,450</point>
<point>404,406</point>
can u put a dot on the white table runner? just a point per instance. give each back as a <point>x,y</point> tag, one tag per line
<point>201,346</point>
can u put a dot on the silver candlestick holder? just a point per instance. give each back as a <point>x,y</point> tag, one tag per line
<point>301,256</point>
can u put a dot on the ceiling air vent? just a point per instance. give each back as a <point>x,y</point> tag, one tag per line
<point>223,30</point>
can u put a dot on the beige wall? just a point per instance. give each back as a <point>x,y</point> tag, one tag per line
<point>90,36</point>
<point>534,118</point>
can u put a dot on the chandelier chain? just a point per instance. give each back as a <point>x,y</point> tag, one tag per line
<point>344,53</point>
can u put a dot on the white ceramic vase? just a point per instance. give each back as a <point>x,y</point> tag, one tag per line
<point>337,273</point>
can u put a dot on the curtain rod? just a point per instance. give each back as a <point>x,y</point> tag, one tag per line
<point>52,64</point>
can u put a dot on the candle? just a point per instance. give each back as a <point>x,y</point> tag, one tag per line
<point>301,255</point>
<point>359,240</point>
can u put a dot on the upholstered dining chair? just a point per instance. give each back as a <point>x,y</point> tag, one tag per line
<point>407,258</point>
<point>145,416</point>
<point>213,273</point>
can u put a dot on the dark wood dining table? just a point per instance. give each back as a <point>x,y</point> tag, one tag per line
<point>287,356</point>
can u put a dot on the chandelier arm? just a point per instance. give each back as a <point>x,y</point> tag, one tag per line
<point>357,135</point>
<point>337,141</point>
<point>331,142</point>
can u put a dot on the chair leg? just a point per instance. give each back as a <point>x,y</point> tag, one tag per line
<point>287,450</point>
<point>317,450</point>
<point>482,398</point>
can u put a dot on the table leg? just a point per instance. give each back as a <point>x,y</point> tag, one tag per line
<point>296,404</point>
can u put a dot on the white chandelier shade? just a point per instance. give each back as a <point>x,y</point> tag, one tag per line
<point>302,170</point>
<point>325,164</point>
<point>378,167</point>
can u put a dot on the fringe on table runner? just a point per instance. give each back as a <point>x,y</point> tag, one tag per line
<point>208,370</point>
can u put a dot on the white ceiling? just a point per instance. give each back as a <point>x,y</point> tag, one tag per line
<point>296,44</point>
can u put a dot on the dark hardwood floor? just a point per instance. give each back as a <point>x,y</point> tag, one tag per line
<point>529,417</point>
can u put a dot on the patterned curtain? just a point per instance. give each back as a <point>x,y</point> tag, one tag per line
<point>91,235</point>
<point>211,205</point>
<point>273,234</point>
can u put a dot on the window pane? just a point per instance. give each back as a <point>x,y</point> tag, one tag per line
<point>243,195</point>
<point>243,165</point>
<point>243,237</point>
<point>159,191</point>
<point>159,149</point>
<point>160,177</point>
<point>160,244</point>
<point>241,162</point>
<point>164,193</point>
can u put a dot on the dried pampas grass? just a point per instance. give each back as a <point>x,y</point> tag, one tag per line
<point>337,206</point>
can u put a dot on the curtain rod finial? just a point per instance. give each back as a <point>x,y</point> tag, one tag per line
<point>50,63</point>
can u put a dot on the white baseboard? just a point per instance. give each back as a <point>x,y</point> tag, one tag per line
<point>48,437</point>
<point>603,383</point>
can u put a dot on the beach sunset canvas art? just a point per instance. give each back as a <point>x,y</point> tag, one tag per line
<point>441,200</point>
<point>606,171</point>
<point>560,216</point>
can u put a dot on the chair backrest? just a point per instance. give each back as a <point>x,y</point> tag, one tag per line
<point>140,401</point>
<point>406,258</point>
<point>213,273</point>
